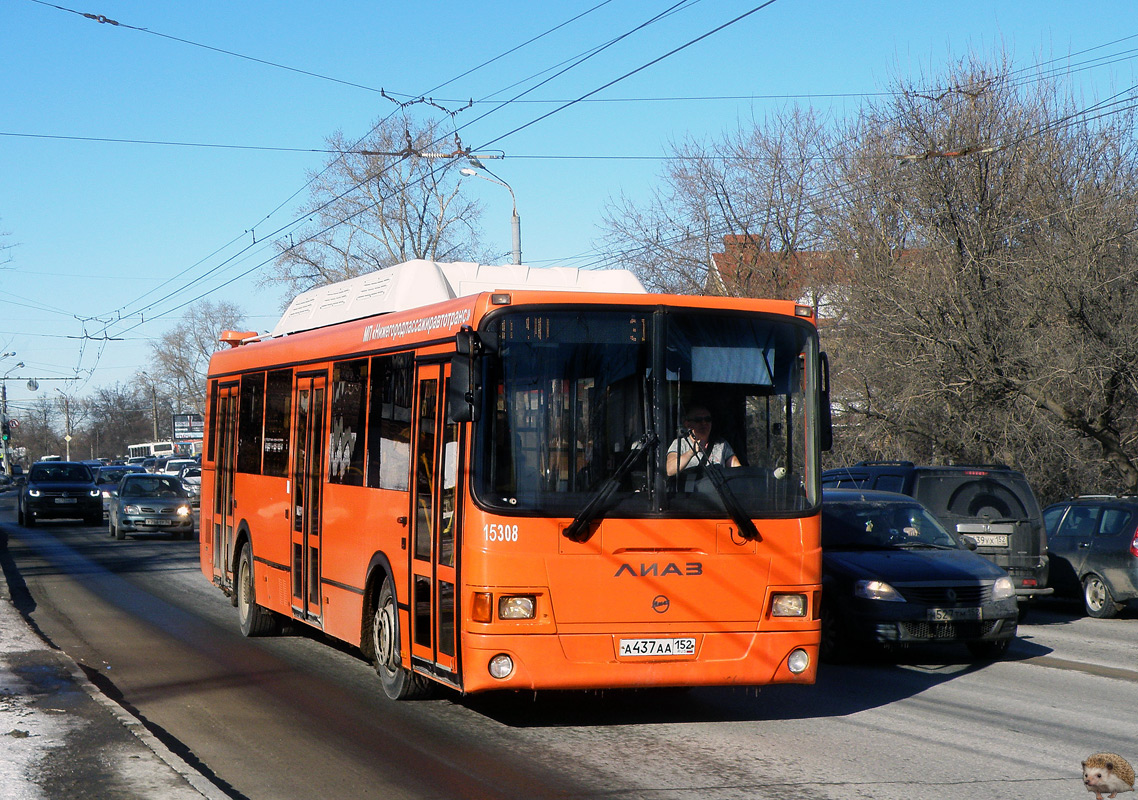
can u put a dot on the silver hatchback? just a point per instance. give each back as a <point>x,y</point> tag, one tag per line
<point>150,503</point>
<point>1093,542</point>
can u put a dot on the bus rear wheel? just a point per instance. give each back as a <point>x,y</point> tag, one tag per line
<point>254,620</point>
<point>399,683</point>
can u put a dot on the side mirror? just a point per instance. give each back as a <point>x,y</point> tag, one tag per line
<point>464,392</point>
<point>826,433</point>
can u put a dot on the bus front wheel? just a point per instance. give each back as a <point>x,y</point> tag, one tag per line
<point>399,683</point>
<point>254,620</point>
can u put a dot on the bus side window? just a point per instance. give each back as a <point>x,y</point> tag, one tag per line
<point>391,387</point>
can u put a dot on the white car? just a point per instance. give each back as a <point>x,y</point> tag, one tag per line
<point>175,465</point>
<point>192,481</point>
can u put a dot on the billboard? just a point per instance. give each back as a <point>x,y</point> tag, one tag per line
<point>189,426</point>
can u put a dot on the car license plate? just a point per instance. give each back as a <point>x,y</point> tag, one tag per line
<point>633,648</point>
<point>156,522</point>
<point>953,614</point>
<point>66,500</point>
<point>989,539</point>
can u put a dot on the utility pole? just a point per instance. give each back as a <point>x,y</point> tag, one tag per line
<point>6,425</point>
<point>154,406</point>
<point>66,424</point>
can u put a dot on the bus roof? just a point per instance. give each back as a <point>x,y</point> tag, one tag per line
<point>420,283</point>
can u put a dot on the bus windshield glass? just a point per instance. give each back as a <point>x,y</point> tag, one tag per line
<point>694,413</point>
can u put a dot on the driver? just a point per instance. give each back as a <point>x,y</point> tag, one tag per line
<point>697,447</point>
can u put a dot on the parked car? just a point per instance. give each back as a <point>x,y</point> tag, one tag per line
<point>991,504</point>
<point>192,483</point>
<point>107,478</point>
<point>1093,543</point>
<point>893,576</point>
<point>150,503</point>
<point>59,490</point>
<point>175,466</point>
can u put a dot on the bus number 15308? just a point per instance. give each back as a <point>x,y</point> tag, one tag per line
<point>496,532</point>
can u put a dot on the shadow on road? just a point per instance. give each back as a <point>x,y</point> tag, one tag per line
<point>839,691</point>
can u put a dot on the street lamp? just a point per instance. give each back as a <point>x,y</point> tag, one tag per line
<point>5,423</point>
<point>66,422</point>
<point>516,220</point>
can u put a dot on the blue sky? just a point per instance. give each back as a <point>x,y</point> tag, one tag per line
<point>117,237</point>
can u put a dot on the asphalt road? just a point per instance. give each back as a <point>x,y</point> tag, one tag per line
<point>293,716</point>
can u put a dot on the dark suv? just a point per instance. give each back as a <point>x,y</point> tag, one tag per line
<point>992,505</point>
<point>1093,543</point>
<point>59,490</point>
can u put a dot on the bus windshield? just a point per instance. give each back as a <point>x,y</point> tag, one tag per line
<point>574,399</point>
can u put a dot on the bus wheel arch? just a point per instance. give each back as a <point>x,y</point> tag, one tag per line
<point>381,641</point>
<point>240,540</point>
<point>254,619</point>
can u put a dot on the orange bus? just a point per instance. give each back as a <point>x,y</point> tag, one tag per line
<point>463,470</point>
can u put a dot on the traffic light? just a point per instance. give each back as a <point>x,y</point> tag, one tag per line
<point>6,430</point>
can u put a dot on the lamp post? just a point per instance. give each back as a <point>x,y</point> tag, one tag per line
<point>516,221</point>
<point>5,423</point>
<point>67,423</point>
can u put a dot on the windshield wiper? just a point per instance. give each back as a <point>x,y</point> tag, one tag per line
<point>746,525</point>
<point>578,530</point>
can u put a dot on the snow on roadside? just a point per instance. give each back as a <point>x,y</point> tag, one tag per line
<point>26,732</point>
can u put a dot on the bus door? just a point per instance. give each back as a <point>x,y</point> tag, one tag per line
<point>307,473</point>
<point>225,430</point>
<point>433,557</point>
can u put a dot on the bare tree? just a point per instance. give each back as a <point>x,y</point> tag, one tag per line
<point>181,356</point>
<point>116,416</point>
<point>990,228</point>
<point>379,203</point>
<point>733,217</point>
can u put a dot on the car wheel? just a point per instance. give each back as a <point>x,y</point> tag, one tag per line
<point>254,620</point>
<point>20,515</point>
<point>29,519</point>
<point>989,650</point>
<point>399,683</point>
<point>1097,598</point>
<point>119,533</point>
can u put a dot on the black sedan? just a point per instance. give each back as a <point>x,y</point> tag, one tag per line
<point>150,503</point>
<point>893,576</point>
<point>59,490</point>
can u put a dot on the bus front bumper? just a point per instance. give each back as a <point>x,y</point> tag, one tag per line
<point>594,660</point>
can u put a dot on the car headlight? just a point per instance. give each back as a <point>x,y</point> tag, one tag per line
<point>96,493</point>
<point>34,492</point>
<point>1003,588</point>
<point>131,509</point>
<point>877,590</point>
<point>183,511</point>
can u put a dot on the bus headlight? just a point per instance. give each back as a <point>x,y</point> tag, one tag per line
<point>788,605</point>
<point>501,666</point>
<point>798,661</point>
<point>516,607</point>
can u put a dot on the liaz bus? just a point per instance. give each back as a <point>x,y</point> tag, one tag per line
<point>463,471</point>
